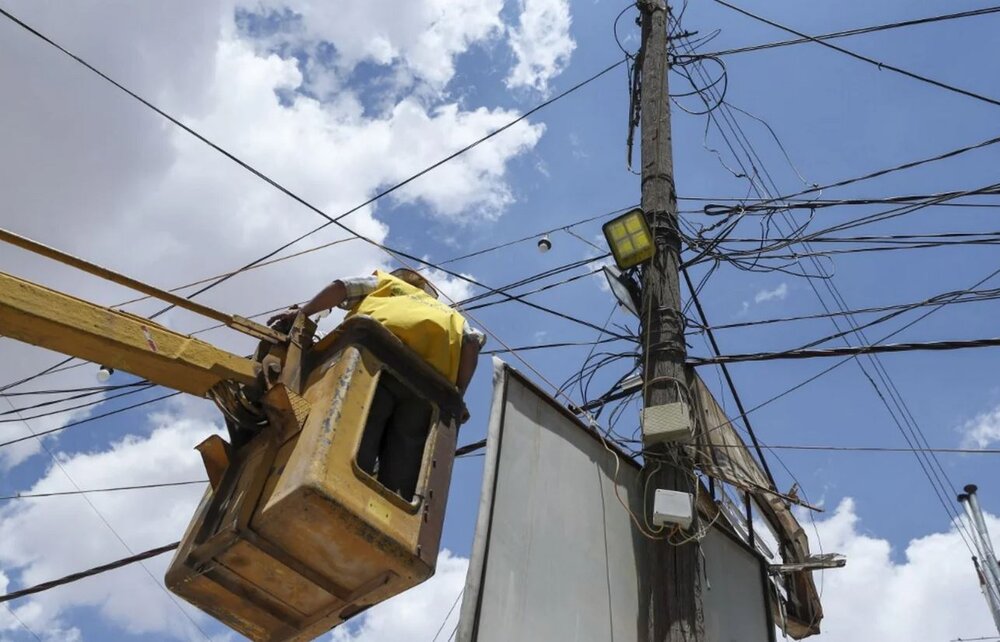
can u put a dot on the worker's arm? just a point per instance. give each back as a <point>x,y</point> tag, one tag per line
<point>467,364</point>
<point>466,368</point>
<point>329,297</point>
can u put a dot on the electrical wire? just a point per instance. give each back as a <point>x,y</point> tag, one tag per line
<point>21,622</point>
<point>847,351</point>
<point>535,235</point>
<point>448,614</point>
<point>872,61</point>
<point>971,296</point>
<point>874,449</point>
<point>815,204</point>
<point>334,221</point>
<point>103,568</point>
<point>49,370</point>
<point>545,346</point>
<point>103,415</point>
<point>781,200</point>
<point>549,286</point>
<point>143,385</point>
<point>729,381</point>
<point>932,475</point>
<point>859,31</point>
<point>136,558</point>
<point>146,385</point>
<point>329,220</point>
<point>69,391</point>
<point>100,490</point>
<point>17,411</point>
<point>61,366</point>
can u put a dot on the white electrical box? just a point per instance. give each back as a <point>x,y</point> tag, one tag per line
<point>672,507</point>
<point>666,422</point>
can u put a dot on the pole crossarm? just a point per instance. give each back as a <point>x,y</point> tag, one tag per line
<point>49,319</point>
<point>233,321</point>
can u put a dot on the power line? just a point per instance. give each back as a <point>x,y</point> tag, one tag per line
<point>280,259</point>
<point>145,384</point>
<point>781,200</point>
<point>75,577</point>
<point>69,391</point>
<point>61,366</point>
<point>335,221</point>
<point>470,448</point>
<point>878,64</point>
<point>21,622</point>
<point>324,246</point>
<point>100,490</point>
<point>858,31</point>
<point>545,346</point>
<point>89,419</point>
<point>530,237</point>
<point>42,373</point>
<point>121,540</point>
<point>847,351</point>
<point>876,449</point>
<point>905,415</point>
<point>816,204</point>
<point>17,411</point>
<point>548,286</point>
<point>614,337</point>
<point>884,238</point>
<point>729,380</point>
<point>972,296</point>
<point>448,615</point>
<point>849,359</point>
<point>329,220</point>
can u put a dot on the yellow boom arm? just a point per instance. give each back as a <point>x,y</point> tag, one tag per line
<point>43,317</point>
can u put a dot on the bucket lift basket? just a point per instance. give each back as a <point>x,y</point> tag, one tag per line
<point>296,537</point>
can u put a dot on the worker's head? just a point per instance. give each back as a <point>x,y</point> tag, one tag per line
<point>415,279</point>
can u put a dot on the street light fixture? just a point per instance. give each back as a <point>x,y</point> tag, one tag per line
<point>625,289</point>
<point>629,238</point>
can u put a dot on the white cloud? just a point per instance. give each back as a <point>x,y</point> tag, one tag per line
<point>417,614</point>
<point>777,294</point>
<point>541,42</point>
<point>100,176</point>
<point>452,289</point>
<point>473,187</point>
<point>11,456</point>
<point>36,545</point>
<point>422,37</point>
<point>931,594</point>
<point>49,537</point>
<point>982,430</point>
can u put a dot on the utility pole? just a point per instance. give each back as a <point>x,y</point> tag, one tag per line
<point>675,608</point>
<point>989,572</point>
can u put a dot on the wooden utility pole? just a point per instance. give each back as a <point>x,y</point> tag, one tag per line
<point>675,609</point>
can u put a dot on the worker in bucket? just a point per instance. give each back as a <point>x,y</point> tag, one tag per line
<point>406,304</point>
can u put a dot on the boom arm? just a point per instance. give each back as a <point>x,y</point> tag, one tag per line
<point>49,319</point>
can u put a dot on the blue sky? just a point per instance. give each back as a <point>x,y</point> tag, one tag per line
<point>836,118</point>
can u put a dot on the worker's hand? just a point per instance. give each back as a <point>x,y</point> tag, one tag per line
<point>285,318</point>
<point>465,415</point>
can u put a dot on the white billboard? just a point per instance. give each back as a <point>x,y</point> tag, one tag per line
<point>556,554</point>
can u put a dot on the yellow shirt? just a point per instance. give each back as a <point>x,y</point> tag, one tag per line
<point>428,327</point>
